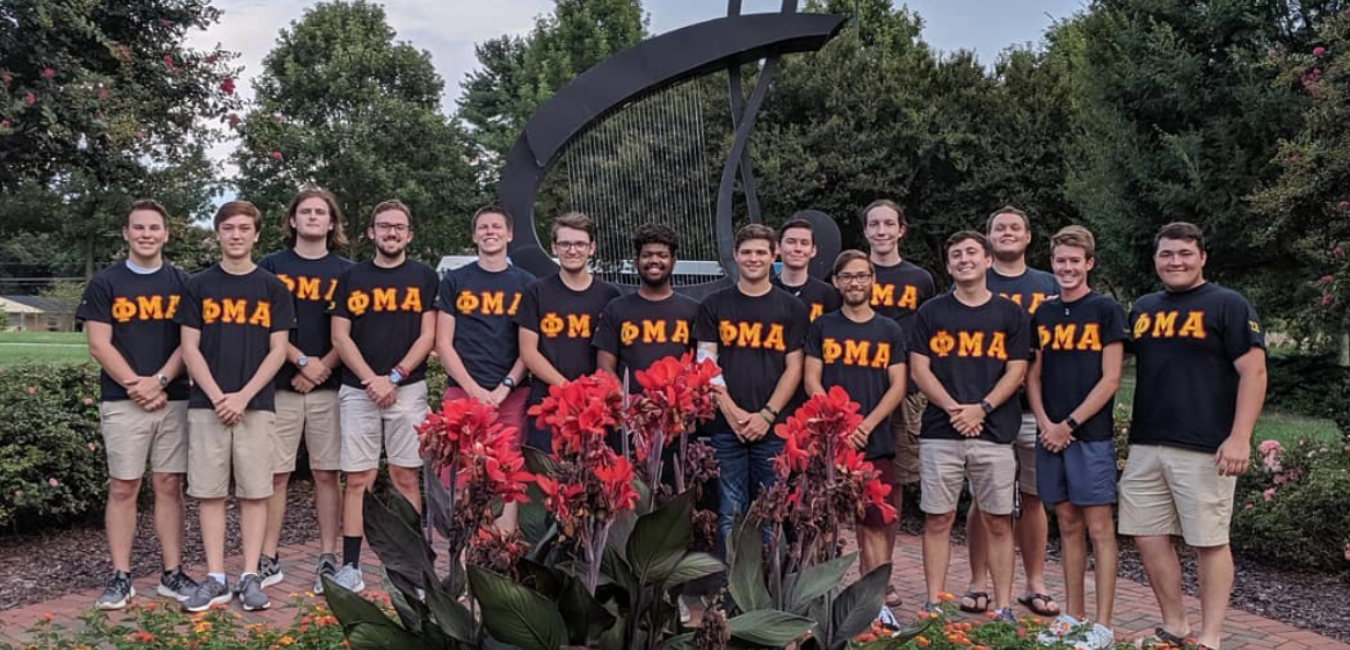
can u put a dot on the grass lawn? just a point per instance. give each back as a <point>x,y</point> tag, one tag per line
<point>42,347</point>
<point>1273,425</point>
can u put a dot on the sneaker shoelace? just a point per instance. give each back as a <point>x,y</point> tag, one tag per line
<point>120,582</point>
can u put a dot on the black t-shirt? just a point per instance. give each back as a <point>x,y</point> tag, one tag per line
<point>1028,290</point>
<point>312,284</point>
<point>898,292</point>
<point>858,357</point>
<point>140,308</point>
<point>1185,344</point>
<point>565,321</point>
<point>484,304</point>
<point>969,349</point>
<point>236,315</point>
<point>639,331</point>
<point>819,297</point>
<point>385,307</point>
<point>1070,337</point>
<point>754,335</point>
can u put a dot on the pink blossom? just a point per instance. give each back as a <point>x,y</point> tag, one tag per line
<point>165,22</point>
<point>1269,493</point>
<point>53,482</point>
<point>1268,447</point>
<point>32,390</point>
<point>6,77</point>
<point>210,58</point>
<point>93,446</point>
<point>1293,158</point>
<point>29,99</point>
<point>168,61</point>
<point>227,86</point>
<point>1347,551</point>
<point>1338,252</point>
<point>102,93</point>
<point>1325,280</point>
<point>234,120</point>
<point>4,124</point>
<point>18,494</point>
<point>1319,51</point>
<point>1343,206</point>
<point>1249,506</point>
<point>276,155</point>
<point>1327,299</point>
<point>48,73</point>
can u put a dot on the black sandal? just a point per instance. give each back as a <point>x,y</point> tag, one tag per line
<point>975,596</point>
<point>1029,601</point>
<point>1165,639</point>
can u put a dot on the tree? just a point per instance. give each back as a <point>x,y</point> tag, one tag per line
<point>101,103</point>
<point>343,106</point>
<point>518,75</point>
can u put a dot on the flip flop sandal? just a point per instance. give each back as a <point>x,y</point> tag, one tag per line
<point>1029,601</point>
<point>1162,639</point>
<point>975,597</point>
<point>893,598</point>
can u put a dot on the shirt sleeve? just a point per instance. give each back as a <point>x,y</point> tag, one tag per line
<point>1129,331</point>
<point>283,312</point>
<point>1019,334</point>
<point>1114,324</point>
<point>445,295</point>
<point>96,303</point>
<point>797,322</point>
<point>606,332</point>
<point>1242,329</point>
<point>899,351</point>
<point>528,314</point>
<point>1035,334</point>
<point>189,311</point>
<point>430,282</point>
<point>917,340</point>
<point>343,292</point>
<point>815,337</point>
<point>705,325</point>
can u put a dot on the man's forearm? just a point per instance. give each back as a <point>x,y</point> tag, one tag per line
<point>201,373</point>
<point>173,366</point>
<point>351,357</point>
<point>112,361</point>
<point>266,371</point>
<point>1007,384</point>
<point>1251,396</point>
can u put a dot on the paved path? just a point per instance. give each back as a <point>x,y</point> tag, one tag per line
<point>1135,608</point>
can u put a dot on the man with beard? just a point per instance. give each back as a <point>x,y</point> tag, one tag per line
<point>754,331</point>
<point>1009,231</point>
<point>384,326</point>
<point>898,290</point>
<point>652,323</point>
<point>236,321</point>
<point>558,315</point>
<point>1201,373</point>
<point>968,353</point>
<point>1071,387</point>
<point>307,401</point>
<point>796,249</point>
<point>863,353</point>
<point>476,337</point>
<point>128,310</point>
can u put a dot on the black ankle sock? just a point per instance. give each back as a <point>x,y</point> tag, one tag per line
<point>351,550</point>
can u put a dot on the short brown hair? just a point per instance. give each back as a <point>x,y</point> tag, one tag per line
<point>150,205</point>
<point>337,238</point>
<point>235,208</point>
<point>1076,237</point>
<point>390,205</point>
<point>963,235</point>
<point>1007,209</point>
<point>1183,231</point>
<point>796,222</point>
<point>755,231</point>
<point>883,203</point>
<point>575,221</point>
<point>492,209</point>
<point>851,255</point>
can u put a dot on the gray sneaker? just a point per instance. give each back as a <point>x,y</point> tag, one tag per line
<point>209,592</point>
<point>118,593</point>
<point>250,593</point>
<point>269,569</point>
<point>349,577</point>
<point>176,585</point>
<point>328,566</point>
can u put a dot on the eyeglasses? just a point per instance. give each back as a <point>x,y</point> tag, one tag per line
<point>396,227</point>
<point>851,278</point>
<point>571,245</point>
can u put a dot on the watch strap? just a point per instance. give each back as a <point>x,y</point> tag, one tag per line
<point>988,408</point>
<point>1073,424</point>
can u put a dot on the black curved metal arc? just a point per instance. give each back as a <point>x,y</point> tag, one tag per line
<point>725,235</point>
<point>747,171</point>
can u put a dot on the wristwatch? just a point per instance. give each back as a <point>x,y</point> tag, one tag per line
<point>1073,424</point>
<point>301,361</point>
<point>508,382</point>
<point>163,381</point>
<point>986,406</point>
<point>395,376</point>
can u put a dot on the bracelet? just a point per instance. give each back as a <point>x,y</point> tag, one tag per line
<point>770,409</point>
<point>402,371</point>
<point>766,418</point>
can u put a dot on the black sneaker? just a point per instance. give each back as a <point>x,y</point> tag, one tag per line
<point>176,585</point>
<point>328,566</point>
<point>269,570</point>
<point>118,593</point>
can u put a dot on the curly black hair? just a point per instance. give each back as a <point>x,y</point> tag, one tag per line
<point>655,233</point>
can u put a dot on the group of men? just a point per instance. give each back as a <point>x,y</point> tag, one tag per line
<point>1003,385</point>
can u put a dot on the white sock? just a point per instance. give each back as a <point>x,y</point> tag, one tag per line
<point>218,577</point>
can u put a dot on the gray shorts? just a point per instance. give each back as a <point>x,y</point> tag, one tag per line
<point>366,428</point>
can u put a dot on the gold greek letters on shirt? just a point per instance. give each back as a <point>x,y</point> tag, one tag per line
<point>1163,325</point>
<point>1068,336</point>
<point>144,308</point>
<point>487,303</point>
<point>751,335</point>
<point>653,331</point>
<point>385,299</point>
<point>856,353</point>
<point>236,311</point>
<point>969,344</point>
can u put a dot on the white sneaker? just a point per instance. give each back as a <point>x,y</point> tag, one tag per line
<point>887,618</point>
<point>349,577</point>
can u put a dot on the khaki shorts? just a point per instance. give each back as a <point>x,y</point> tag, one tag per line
<point>132,436</point>
<point>366,427</point>
<point>905,428</point>
<point>1026,454</point>
<point>946,464</point>
<point>1172,491</point>
<point>315,416</point>
<point>217,453</point>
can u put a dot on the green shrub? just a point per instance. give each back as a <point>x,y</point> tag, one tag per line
<point>1293,508</point>
<point>52,464</point>
<point>1310,385</point>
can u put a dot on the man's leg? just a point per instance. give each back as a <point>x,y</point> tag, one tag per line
<point>992,469</point>
<point>290,427</point>
<point>733,482</point>
<point>1105,555</point>
<point>1164,575</point>
<point>168,466</point>
<point>977,542</point>
<point>941,471</point>
<point>511,413</point>
<point>1032,526</point>
<point>1073,546</point>
<point>1090,469</point>
<point>1000,556</point>
<point>169,517</point>
<point>362,435</point>
<point>1204,502</point>
<point>211,512</point>
<point>208,476</point>
<point>323,442</point>
<point>400,441</point>
<point>1148,513</point>
<point>119,518</point>
<point>937,551</point>
<point>1215,572</point>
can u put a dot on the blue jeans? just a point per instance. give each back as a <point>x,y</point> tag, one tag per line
<point>745,470</point>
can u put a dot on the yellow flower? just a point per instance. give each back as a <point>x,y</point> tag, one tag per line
<point>285,640</point>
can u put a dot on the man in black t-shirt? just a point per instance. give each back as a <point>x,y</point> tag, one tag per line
<point>558,315</point>
<point>653,322</point>
<point>754,332</point>
<point>306,386</point>
<point>236,320</point>
<point>1071,387</point>
<point>476,333</point>
<point>1200,383</point>
<point>128,310</point>
<point>968,353</point>
<point>796,249</point>
<point>863,353</point>
<point>384,326</point>
<point>1009,231</point>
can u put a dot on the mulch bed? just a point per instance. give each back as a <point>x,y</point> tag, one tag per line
<point>47,564</point>
<point>43,566</point>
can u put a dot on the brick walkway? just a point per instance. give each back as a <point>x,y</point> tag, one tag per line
<point>1136,612</point>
